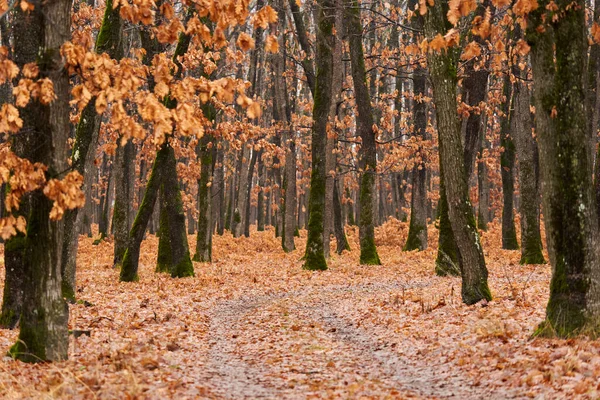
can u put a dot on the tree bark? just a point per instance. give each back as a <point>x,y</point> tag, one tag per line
<point>331,161</point>
<point>204,237</point>
<point>558,55</point>
<point>123,199</point>
<point>507,166</point>
<point>44,333</point>
<point>417,231</point>
<point>338,224</point>
<point>314,256</point>
<point>219,178</point>
<point>527,153</point>
<point>129,268</point>
<point>483,187</point>
<point>442,68</point>
<point>368,150</point>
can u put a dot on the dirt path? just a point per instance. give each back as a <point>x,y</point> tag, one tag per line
<point>308,343</point>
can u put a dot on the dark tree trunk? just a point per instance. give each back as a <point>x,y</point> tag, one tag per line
<point>178,257</point>
<point>129,268</point>
<point>483,206</point>
<point>364,122</point>
<point>260,205</point>
<point>507,166</point>
<point>331,161</point>
<point>240,204</point>
<point>315,257</point>
<point>12,299</point>
<point>558,61</point>
<point>417,231</point>
<point>220,182</point>
<point>123,200</point>
<point>527,153</point>
<point>248,191</point>
<point>44,334</point>
<point>338,225</point>
<point>104,225</point>
<point>204,238</point>
<point>447,261</point>
<point>109,41</point>
<point>444,80</point>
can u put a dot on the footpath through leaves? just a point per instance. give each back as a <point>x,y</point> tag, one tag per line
<point>253,324</point>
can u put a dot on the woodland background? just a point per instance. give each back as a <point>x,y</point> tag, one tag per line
<point>407,150</point>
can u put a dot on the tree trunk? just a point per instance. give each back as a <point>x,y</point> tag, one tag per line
<point>417,231</point>
<point>248,189</point>
<point>527,153</point>
<point>44,333</point>
<point>131,257</point>
<point>260,205</point>
<point>441,66</point>
<point>507,166</point>
<point>240,205</point>
<point>338,224</point>
<point>364,122</point>
<point>330,162</point>
<point>447,261</point>
<point>219,177</point>
<point>123,199</point>
<point>179,261</point>
<point>204,237</point>
<point>315,257</point>
<point>558,62</point>
<point>483,206</point>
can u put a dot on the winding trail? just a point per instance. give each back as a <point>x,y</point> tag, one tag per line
<point>310,344</point>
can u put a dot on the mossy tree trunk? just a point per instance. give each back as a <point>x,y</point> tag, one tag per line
<point>40,34</point>
<point>314,256</point>
<point>447,261</point>
<point>206,152</point>
<point>442,68</point>
<point>368,150</point>
<point>178,256</point>
<point>173,249</point>
<point>558,54</point>
<point>129,267</point>
<point>109,41</point>
<point>507,170</point>
<point>527,153</point>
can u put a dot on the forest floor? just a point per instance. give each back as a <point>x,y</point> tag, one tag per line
<point>253,324</point>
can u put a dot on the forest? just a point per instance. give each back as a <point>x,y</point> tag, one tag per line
<point>300,199</point>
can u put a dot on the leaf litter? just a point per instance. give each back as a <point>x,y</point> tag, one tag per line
<point>253,324</point>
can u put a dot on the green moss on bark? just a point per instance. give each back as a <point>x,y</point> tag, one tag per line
<point>532,251</point>
<point>447,261</point>
<point>128,273</point>
<point>368,250</point>
<point>413,242</point>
